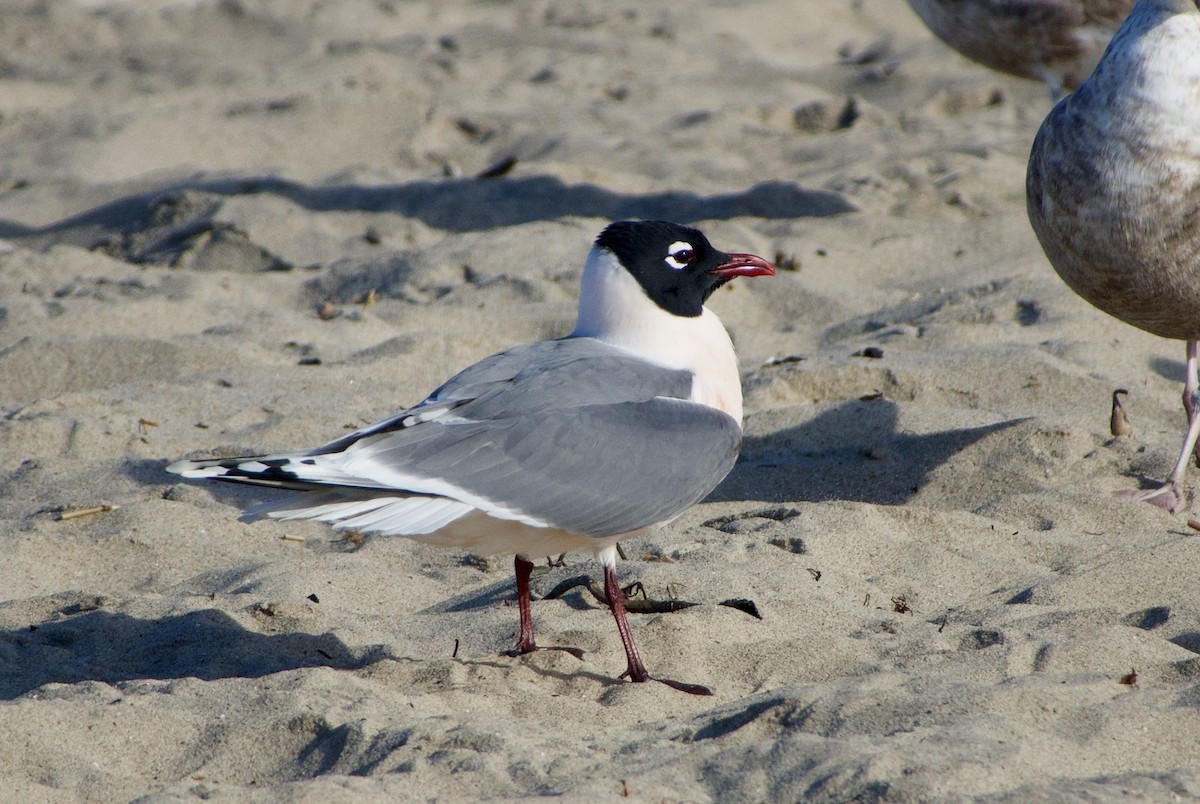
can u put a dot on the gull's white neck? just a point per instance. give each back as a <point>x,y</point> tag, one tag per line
<point>615,309</point>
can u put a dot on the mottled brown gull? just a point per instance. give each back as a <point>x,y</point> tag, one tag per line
<point>1055,41</point>
<point>1113,191</point>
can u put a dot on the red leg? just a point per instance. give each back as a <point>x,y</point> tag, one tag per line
<point>635,669</point>
<point>525,642</point>
<point>524,568</point>
<point>616,602</point>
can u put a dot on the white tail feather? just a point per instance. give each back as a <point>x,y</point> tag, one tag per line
<point>385,515</point>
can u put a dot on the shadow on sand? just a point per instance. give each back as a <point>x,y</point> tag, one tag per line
<point>851,452</point>
<point>109,647</point>
<point>455,205</point>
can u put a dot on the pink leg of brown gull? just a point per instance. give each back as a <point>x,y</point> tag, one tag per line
<point>1170,495</point>
<point>1191,387</point>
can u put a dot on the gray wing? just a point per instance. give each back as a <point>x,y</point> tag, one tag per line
<point>535,378</point>
<point>571,434</point>
<point>600,470</point>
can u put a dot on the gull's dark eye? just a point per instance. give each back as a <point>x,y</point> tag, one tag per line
<point>680,255</point>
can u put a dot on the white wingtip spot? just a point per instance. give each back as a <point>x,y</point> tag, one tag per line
<point>194,470</point>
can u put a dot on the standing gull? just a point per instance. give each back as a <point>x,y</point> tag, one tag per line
<point>570,444</point>
<point>1113,191</point>
<point>1057,42</point>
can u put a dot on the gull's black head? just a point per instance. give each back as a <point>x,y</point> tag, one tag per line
<point>676,265</point>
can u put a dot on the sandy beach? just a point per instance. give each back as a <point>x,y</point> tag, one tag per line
<point>231,227</point>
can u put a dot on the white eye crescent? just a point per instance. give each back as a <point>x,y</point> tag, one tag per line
<point>680,255</point>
